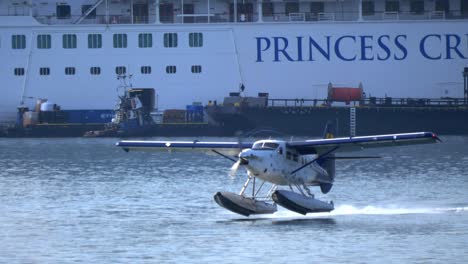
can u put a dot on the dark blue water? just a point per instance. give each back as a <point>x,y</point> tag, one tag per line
<point>85,200</point>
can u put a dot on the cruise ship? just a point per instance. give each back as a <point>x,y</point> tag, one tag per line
<point>71,52</point>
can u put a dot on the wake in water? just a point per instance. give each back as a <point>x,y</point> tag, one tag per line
<point>373,210</point>
<point>369,210</point>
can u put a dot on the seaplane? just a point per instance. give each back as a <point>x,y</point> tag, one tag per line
<point>283,172</point>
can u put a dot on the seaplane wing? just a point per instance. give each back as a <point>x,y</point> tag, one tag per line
<point>320,146</point>
<point>224,147</point>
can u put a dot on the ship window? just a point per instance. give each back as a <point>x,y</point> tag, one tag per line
<point>368,8</point>
<point>43,41</point>
<point>392,6</point>
<point>417,7</point>
<point>170,40</point>
<point>19,71</point>
<point>291,7</point>
<point>442,5</point>
<point>196,68</point>
<point>69,41</point>
<point>171,69</point>
<point>120,70</point>
<point>464,8</point>
<point>267,9</point>
<point>44,71</point>
<point>95,70</point>
<point>85,8</point>
<point>120,40</point>
<point>195,39</point>
<point>145,40</point>
<point>18,42</point>
<point>70,70</point>
<point>146,69</point>
<point>94,41</point>
<point>63,11</point>
<point>317,7</point>
<point>288,155</point>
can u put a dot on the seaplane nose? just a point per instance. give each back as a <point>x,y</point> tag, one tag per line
<point>246,155</point>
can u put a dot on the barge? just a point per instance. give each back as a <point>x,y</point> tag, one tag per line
<point>350,109</point>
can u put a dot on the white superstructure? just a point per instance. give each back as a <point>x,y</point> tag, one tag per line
<point>70,52</point>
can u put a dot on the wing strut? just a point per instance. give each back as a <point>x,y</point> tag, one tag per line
<point>224,156</point>
<point>314,160</point>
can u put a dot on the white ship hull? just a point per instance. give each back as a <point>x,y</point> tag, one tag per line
<point>287,60</point>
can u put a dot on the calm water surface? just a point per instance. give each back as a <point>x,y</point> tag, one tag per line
<point>84,200</point>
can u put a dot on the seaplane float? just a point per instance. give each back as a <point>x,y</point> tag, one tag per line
<point>282,172</point>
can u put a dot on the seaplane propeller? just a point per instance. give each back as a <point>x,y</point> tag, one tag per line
<point>244,157</point>
<point>281,172</point>
<point>237,163</point>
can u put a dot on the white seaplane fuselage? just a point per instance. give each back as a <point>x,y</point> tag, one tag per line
<point>272,161</point>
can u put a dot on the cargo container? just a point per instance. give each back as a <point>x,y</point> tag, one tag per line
<point>344,94</point>
<point>195,113</point>
<point>174,116</point>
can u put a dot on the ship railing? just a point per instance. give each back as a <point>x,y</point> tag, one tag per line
<point>414,102</point>
<point>371,102</point>
<point>309,16</point>
<point>326,16</point>
<point>420,15</point>
<point>295,17</point>
<point>194,18</point>
<point>299,102</point>
<point>98,19</point>
<point>391,15</point>
<point>18,10</point>
<point>437,15</point>
<point>226,17</point>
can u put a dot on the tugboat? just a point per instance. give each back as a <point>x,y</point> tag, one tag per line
<point>132,113</point>
<point>136,114</point>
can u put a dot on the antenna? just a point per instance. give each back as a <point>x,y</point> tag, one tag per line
<point>123,81</point>
<point>465,88</point>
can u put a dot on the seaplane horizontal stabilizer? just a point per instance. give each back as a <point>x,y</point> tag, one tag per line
<point>299,203</point>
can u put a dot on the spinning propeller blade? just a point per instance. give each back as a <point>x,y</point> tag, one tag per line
<point>234,168</point>
<point>239,161</point>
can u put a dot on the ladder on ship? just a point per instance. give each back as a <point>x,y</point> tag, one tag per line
<point>352,122</point>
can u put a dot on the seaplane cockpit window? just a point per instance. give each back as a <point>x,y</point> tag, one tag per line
<point>265,146</point>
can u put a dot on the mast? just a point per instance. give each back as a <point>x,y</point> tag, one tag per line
<point>26,74</point>
<point>465,82</point>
